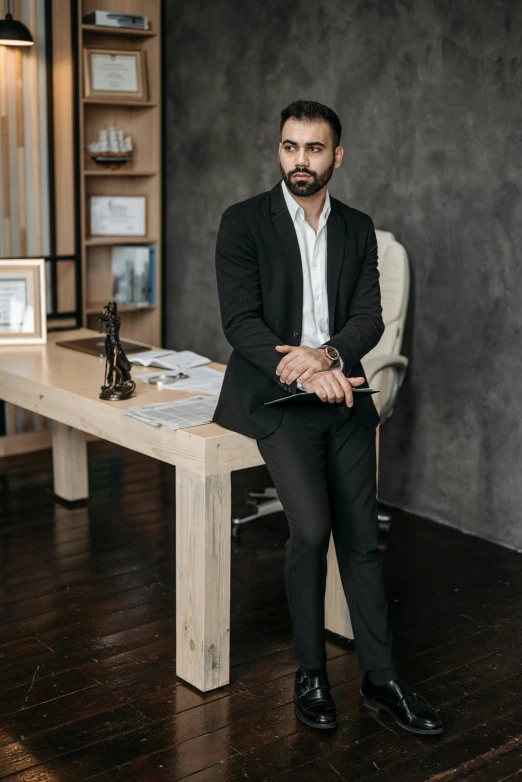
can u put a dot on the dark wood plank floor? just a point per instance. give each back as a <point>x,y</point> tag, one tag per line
<point>88,688</point>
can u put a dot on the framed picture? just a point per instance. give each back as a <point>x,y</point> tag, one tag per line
<point>118,215</point>
<point>115,73</point>
<point>22,302</point>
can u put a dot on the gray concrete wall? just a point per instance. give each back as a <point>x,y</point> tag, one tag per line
<point>429,95</point>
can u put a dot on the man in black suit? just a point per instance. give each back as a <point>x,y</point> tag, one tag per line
<point>298,322</point>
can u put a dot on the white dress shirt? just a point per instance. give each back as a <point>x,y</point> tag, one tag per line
<point>312,245</point>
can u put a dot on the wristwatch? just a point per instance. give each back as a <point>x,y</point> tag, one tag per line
<point>331,352</point>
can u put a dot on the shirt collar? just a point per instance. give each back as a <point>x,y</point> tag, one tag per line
<point>297,211</point>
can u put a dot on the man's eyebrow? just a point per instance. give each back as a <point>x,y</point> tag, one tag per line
<point>308,143</point>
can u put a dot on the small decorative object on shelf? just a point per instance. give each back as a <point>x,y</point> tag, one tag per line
<point>112,148</point>
<point>118,383</point>
<point>113,19</point>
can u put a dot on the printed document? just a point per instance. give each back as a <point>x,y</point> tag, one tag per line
<point>193,411</point>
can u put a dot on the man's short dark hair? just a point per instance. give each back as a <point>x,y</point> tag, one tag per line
<point>309,111</point>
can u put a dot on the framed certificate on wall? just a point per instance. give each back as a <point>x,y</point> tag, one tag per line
<point>118,215</point>
<point>22,302</point>
<point>115,73</point>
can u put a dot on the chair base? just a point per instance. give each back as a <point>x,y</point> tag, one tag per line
<point>273,505</point>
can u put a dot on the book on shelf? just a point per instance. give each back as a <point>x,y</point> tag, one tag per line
<point>134,274</point>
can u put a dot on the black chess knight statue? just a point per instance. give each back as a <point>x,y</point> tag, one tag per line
<point>118,382</point>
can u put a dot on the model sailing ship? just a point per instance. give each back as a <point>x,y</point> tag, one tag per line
<point>112,148</point>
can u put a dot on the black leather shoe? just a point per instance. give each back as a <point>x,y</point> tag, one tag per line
<point>407,707</point>
<point>313,701</point>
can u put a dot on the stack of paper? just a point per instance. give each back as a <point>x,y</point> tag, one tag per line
<point>193,411</point>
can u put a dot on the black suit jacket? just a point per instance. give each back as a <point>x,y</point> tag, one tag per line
<point>260,287</point>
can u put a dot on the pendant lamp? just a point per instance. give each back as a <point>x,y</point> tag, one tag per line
<point>13,33</point>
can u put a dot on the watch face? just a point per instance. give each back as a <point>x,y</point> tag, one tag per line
<point>332,352</point>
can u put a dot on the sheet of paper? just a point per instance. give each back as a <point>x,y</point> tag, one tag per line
<point>185,359</point>
<point>132,414</point>
<point>193,411</point>
<point>199,379</point>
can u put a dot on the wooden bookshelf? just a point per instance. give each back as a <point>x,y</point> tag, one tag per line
<point>122,172</point>
<point>94,308</point>
<point>145,104</point>
<point>92,28</point>
<point>111,241</point>
<point>141,176</point>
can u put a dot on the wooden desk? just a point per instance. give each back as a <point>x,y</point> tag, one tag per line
<point>63,385</point>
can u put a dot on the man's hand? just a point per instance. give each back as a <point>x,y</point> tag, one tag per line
<point>332,386</point>
<point>300,363</point>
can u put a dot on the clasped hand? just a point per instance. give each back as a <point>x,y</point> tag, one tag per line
<point>310,366</point>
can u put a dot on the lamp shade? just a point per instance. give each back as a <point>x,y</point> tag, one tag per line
<point>13,33</point>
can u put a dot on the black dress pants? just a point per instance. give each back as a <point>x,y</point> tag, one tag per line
<point>323,462</point>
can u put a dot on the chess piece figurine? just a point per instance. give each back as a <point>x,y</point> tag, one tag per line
<point>118,383</point>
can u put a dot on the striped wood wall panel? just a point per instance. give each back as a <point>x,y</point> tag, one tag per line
<point>24,165</point>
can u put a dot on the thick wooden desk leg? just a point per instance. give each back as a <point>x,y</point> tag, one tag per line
<point>203,532</point>
<point>337,616</point>
<point>71,479</point>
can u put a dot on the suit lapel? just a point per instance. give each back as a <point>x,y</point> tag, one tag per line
<point>285,228</point>
<point>335,232</point>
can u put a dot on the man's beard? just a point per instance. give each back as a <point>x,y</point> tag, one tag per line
<point>306,187</point>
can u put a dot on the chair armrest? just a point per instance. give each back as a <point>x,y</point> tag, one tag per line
<point>398,364</point>
<point>376,364</point>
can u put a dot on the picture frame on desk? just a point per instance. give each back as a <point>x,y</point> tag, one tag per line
<point>23,317</point>
<point>115,73</point>
<point>118,215</point>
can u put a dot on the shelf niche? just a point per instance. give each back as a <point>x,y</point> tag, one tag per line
<point>141,176</point>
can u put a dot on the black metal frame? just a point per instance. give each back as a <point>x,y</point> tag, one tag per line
<point>53,258</point>
<point>163,103</point>
<point>77,172</point>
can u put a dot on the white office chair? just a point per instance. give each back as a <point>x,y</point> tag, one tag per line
<point>384,366</point>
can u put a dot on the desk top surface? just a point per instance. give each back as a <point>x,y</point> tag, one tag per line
<point>54,367</point>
